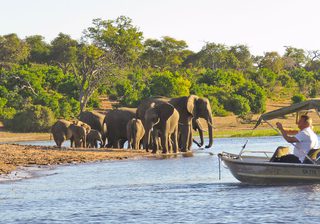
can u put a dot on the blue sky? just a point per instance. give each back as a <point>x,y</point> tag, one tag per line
<point>263,25</point>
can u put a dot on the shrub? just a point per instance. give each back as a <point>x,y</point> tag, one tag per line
<point>35,118</point>
<point>238,105</point>
<point>298,98</point>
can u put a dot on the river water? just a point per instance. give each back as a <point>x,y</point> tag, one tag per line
<point>176,190</point>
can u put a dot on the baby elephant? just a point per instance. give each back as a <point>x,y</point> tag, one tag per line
<point>135,132</point>
<point>93,137</point>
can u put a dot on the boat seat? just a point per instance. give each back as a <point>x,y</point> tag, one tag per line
<point>313,154</point>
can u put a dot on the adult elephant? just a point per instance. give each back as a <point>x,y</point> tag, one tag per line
<point>95,120</point>
<point>163,119</point>
<point>64,130</point>
<point>189,107</point>
<point>93,137</point>
<point>135,133</point>
<point>116,121</point>
<point>61,132</point>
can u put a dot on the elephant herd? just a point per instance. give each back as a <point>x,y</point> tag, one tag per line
<point>159,123</point>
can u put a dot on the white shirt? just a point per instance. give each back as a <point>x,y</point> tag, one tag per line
<point>307,140</point>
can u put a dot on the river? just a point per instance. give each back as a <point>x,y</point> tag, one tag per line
<point>176,190</point>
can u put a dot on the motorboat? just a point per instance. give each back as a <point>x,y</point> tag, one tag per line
<point>249,167</point>
<point>258,170</point>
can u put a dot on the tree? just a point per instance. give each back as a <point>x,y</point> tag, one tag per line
<point>118,36</point>
<point>167,53</point>
<point>293,58</point>
<point>39,49</point>
<point>244,57</point>
<point>272,61</point>
<point>64,52</point>
<point>13,49</point>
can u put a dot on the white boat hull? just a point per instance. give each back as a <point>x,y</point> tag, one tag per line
<point>256,170</point>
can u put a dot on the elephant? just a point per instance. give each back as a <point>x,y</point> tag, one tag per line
<point>79,135</point>
<point>135,133</point>
<point>95,120</point>
<point>189,107</point>
<point>163,119</point>
<point>64,130</point>
<point>93,137</point>
<point>116,121</point>
<point>61,131</point>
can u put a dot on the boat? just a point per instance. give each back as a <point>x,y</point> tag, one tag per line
<point>251,168</point>
<point>258,170</point>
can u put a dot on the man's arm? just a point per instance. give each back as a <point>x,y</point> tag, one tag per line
<point>290,139</point>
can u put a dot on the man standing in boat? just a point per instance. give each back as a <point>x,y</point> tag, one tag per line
<point>303,140</point>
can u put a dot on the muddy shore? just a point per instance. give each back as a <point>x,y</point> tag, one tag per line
<point>13,156</point>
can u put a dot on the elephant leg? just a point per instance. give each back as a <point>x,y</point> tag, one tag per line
<point>164,142</point>
<point>190,138</point>
<point>170,144</point>
<point>175,141</point>
<point>184,138</point>
<point>72,142</point>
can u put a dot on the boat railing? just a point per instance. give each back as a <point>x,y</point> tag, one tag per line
<point>255,152</point>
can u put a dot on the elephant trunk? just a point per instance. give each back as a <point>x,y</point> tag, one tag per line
<point>200,130</point>
<point>210,129</point>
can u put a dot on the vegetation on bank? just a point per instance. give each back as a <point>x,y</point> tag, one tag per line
<point>42,81</point>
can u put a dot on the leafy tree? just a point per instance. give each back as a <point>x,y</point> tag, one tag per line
<point>39,49</point>
<point>255,95</point>
<point>227,79</point>
<point>304,79</point>
<point>35,118</point>
<point>265,78</point>
<point>167,53</point>
<point>294,58</point>
<point>272,61</point>
<point>169,84</point>
<point>244,57</point>
<point>64,51</point>
<point>216,56</point>
<point>119,37</point>
<point>13,49</point>
<point>238,105</point>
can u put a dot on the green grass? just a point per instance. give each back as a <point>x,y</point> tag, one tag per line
<point>244,133</point>
<point>250,133</point>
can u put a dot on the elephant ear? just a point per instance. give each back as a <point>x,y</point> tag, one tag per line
<point>191,101</point>
<point>165,111</point>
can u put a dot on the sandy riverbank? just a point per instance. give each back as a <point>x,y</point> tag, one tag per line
<point>13,156</point>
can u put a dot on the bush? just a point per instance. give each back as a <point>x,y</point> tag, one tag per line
<point>35,118</point>
<point>238,105</point>
<point>298,98</point>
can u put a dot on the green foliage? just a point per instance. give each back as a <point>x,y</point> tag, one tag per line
<point>265,78</point>
<point>169,84</point>
<point>35,118</point>
<point>166,53</point>
<point>111,58</point>
<point>238,105</point>
<point>39,49</point>
<point>6,112</point>
<point>297,98</point>
<point>13,49</point>
<point>255,95</point>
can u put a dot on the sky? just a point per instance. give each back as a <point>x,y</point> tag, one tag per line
<point>262,25</point>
